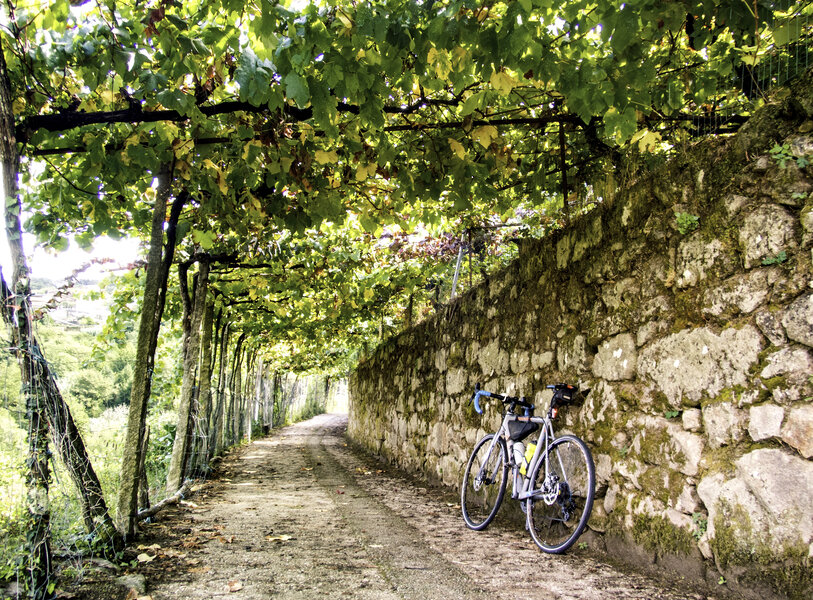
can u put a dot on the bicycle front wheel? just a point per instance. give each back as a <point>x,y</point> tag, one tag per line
<point>564,483</point>
<point>484,481</point>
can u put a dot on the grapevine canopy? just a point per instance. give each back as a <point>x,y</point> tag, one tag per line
<point>335,151</point>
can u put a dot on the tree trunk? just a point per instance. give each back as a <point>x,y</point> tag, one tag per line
<point>152,310</point>
<point>193,315</point>
<point>39,511</point>
<point>144,484</point>
<point>218,422</point>
<point>236,399</point>
<point>43,400</point>
<point>205,386</point>
<point>250,392</point>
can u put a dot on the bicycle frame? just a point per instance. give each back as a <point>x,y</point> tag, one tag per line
<point>547,436</point>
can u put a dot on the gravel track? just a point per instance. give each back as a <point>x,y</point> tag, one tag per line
<point>301,514</point>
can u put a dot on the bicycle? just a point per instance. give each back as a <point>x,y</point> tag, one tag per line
<point>553,479</point>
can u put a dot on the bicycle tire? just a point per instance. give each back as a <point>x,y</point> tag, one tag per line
<point>558,512</point>
<point>476,497</point>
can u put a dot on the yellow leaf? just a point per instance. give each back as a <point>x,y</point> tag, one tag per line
<point>107,96</point>
<point>248,146</point>
<point>145,558</point>
<point>484,135</point>
<point>183,169</point>
<point>234,586</point>
<point>365,171</point>
<point>324,157</point>
<point>221,183</point>
<point>502,82</point>
<point>457,148</point>
<point>345,20</point>
<point>649,141</point>
<point>432,55</point>
<point>368,294</point>
<point>168,131</point>
<point>209,164</point>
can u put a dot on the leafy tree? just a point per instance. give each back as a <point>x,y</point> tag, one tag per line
<point>291,144</point>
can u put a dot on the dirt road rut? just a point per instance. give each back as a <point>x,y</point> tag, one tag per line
<point>300,515</point>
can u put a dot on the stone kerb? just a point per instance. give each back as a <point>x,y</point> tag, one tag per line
<point>697,346</point>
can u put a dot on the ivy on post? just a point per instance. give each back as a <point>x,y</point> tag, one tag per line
<point>17,311</point>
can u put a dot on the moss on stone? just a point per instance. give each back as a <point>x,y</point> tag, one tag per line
<point>601,436</point>
<point>736,545</point>
<point>655,445</point>
<point>774,382</point>
<point>658,535</point>
<point>729,395</point>
<point>719,460</point>
<point>663,484</point>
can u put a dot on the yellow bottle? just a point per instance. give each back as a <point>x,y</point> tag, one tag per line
<point>529,454</point>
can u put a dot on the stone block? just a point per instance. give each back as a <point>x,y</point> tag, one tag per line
<point>616,359</point>
<point>610,498</point>
<point>765,421</point>
<point>741,294</point>
<point>621,293</point>
<point>456,380</point>
<point>798,430</point>
<point>692,419</point>
<point>734,204</point>
<point>793,361</point>
<point>679,519</point>
<point>572,354</point>
<point>649,330</point>
<point>688,502</point>
<point>440,359</point>
<point>604,469</point>
<point>770,475</point>
<point>589,237</point>
<point>540,360</point>
<point>765,233</point>
<point>692,363</point>
<point>699,258</point>
<point>724,424</point>
<point>771,327</point>
<point>798,320</point>
<point>806,220</point>
<point>563,249</point>
<point>493,359</point>
<point>520,361</point>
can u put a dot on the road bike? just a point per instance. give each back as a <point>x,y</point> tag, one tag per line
<point>554,479</point>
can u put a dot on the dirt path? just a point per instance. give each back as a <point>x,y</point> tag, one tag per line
<point>300,515</point>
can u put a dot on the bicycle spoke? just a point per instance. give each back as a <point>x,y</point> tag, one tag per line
<point>563,497</point>
<point>481,495</point>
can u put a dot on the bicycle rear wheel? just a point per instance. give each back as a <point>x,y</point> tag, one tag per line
<point>484,481</point>
<point>563,497</point>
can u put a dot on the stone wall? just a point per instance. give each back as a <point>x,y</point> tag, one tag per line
<point>696,345</point>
